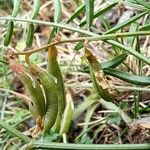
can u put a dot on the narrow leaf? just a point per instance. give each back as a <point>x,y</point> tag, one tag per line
<point>57,19</point>
<point>80,9</point>
<point>100,12</point>
<point>93,98</point>
<point>89,114</point>
<point>36,9</point>
<point>129,50</point>
<point>145,27</point>
<point>57,11</point>
<point>135,79</point>
<point>133,28</point>
<point>89,5</point>
<point>126,23</point>
<point>114,62</point>
<point>145,4</point>
<point>16,5</point>
<point>79,46</point>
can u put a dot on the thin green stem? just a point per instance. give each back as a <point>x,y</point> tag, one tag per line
<point>132,88</point>
<point>120,88</point>
<point>139,72</point>
<point>46,23</point>
<point>65,26</point>
<point>92,146</point>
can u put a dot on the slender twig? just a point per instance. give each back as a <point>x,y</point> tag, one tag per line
<point>101,37</point>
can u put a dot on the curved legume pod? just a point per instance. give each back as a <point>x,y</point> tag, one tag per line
<point>30,35</point>
<point>33,110</point>
<point>51,94</point>
<point>30,28</point>
<point>9,33</point>
<point>32,87</point>
<point>54,69</point>
<point>101,85</point>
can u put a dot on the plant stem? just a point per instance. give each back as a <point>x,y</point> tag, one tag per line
<point>64,138</point>
<point>121,88</point>
<point>92,146</point>
<point>139,72</point>
<point>125,88</point>
<point>15,132</point>
<point>65,26</point>
<point>100,37</point>
<point>46,23</point>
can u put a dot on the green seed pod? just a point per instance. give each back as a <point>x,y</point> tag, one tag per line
<point>9,33</point>
<point>51,94</point>
<point>30,35</point>
<point>30,29</point>
<point>10,27</point>
<point>33,88</point>
<point>54,70</point>
<point>33,110</point>
<point>101,85</point>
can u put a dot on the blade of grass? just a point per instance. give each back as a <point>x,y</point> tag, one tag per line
<point>144,27</point>
<point>133,28</point>
<point>114,62</point>
<point>135,79</point>
<point>126,23</point>
<point>134,5</point>
<point>57,19</point>
<point>16,9</point>
<point>15,132</point>
<point>89,6</point>
<point>89,114</point>
<point>4,104</point>
<point>139,72</point>
<point>145,4</point>
<point>130,50</point>
<point>36,8</point>
<point>57,11</point>
<point>80,9</point>
<point>100,12</point>
<point>93,98</point>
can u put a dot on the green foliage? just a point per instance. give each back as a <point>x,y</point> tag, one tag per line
<point>51,84</point>
<point>52,136</point>
<point>114,118</point>
<point>86,140</point>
